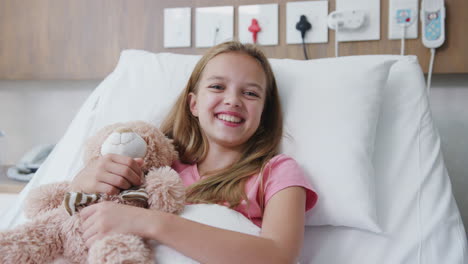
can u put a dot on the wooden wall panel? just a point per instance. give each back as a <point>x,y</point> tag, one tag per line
<point>82,39</point>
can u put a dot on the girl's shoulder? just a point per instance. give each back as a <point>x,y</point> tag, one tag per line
<point>281,159</point>
<point>280,165</point>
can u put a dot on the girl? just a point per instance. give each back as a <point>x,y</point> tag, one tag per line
<point>227,126</point>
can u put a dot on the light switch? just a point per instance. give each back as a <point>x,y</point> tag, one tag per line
<point>177,27</point>
<point>316,13</point>
<point>395,10</point>
<point>371,27</point>
<point>213,25</point>
<point>267,17</point>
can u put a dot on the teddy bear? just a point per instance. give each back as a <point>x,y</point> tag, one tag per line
<point>53,209</point>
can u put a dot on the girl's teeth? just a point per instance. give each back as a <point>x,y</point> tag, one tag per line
<point>229,118</point>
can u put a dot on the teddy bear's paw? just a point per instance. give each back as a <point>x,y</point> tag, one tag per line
<point>45,198</point>
<point>166,190</point>
<point>120,248</point>
<point>36,241</point>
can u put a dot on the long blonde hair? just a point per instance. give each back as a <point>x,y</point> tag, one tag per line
<point>227,184</point>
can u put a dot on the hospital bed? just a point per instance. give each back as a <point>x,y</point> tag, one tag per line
<point>360,126</point>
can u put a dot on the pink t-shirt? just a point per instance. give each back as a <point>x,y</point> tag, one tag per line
<point>281,172</point>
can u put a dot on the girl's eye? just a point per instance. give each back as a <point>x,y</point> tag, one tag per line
<point>216,87</point>
<point>252,94</point>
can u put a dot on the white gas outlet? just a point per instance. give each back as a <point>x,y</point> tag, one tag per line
<point>351,19</point>
<point>266,17</point>
<point>177,23</point>
<point>213,25</point>
<point>316,13</point>
<point>370,30</point>
<point>403,13</point>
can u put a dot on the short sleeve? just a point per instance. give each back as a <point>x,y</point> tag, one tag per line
<point>179,166</point>
<point>282,172</point>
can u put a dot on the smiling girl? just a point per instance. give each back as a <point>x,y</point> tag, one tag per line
<point>227,128</point>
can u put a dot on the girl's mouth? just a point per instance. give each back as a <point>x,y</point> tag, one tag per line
<point>229,119</point>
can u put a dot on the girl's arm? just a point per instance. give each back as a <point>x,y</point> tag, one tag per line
<point>280,241</point>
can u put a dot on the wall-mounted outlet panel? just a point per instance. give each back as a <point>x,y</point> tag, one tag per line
<point>371,27</point>
<point>267,17</point>
<point>351,20</point>
<point>177,24</point>
<point>398,9</point>
<point>213,25</point>
<point>316,13</point>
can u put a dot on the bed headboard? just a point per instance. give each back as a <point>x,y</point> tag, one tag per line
<point>54,39</point>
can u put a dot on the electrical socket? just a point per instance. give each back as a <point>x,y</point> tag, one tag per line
<point>401,10</point>
<point>177,22</point>
<point>213,25</point>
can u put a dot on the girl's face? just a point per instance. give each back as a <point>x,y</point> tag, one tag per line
<point>230,98</point>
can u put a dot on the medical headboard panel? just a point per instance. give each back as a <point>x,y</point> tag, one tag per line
<point>56,39</point>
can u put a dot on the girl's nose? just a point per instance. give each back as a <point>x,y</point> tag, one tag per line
<point>232,99</point>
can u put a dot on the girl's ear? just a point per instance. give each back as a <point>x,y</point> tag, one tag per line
<point>192,101</point>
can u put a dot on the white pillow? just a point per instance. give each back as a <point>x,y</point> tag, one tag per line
<point>331,109</point>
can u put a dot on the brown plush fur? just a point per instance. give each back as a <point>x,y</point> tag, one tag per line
<point>54,235</point>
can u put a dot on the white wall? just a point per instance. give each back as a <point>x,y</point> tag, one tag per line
<point>36,112</point>
<point>33,112</point>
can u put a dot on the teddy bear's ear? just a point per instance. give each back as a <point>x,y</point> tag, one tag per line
<point>93,144</point>
<point>175,154</point>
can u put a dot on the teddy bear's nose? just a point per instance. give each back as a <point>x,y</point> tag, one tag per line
<point>121,137</point>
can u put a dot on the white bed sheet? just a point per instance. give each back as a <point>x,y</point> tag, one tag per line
<point>417,212</point>
<point>7,200</point>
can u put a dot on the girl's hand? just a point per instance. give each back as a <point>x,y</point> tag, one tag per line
<point>108,174</point>
<point>101,219</point>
